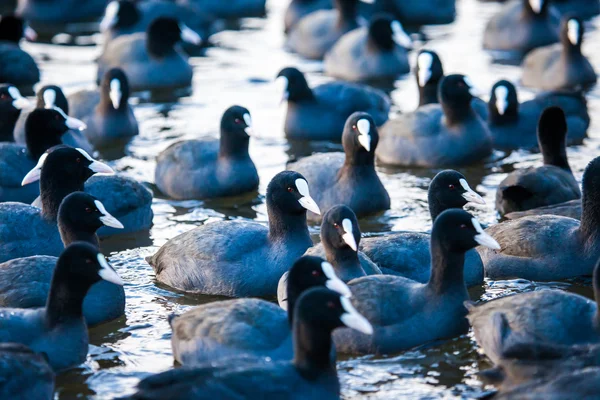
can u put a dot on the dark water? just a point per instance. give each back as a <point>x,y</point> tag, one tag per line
<point>240,71</point>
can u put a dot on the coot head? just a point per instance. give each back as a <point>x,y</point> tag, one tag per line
<point>120,14</point>
<point>458,231</point>
<point>13,29</point>
<point>293,85</point>
<point>360,138</point>
<point>504,102</point>
<point>385,33</point>
<point>80,215</point>
<point>115,89</point>
<point>339,229</point>
<point>163,33</point>
<point>428,69</point>
<point>11,104</point>
<point>45,126</point>
<point>450,189</point>
<point>571,34</point>
<point>308,272</point>
<point>51,96</point>
<point>455,93</point>
<point>552,137</point>
<point>236,128</point>
<point>288,194</point>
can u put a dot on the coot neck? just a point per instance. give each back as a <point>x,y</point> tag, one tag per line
<point>158,47</point>
<point>554,153</point>
<point>232,145</point>
<point>7,126</point>
<point>301,92</point>
<point>590,220</point>
<point>495,118</point>
<point>284,226</point>
<point>53,189</point>
<point>312,350</point>
<point>447,268</point>
<point>347,10</point>
<point>344,260</point>
<point>65,300</point>
<point>70,234</point>
<point>428,93</point>
<point>38,145</point>
<point>457,113</point>
<point>436,207</point>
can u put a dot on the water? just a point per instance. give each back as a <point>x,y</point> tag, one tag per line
<point>240,71</point>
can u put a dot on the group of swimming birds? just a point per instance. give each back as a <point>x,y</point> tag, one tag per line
<point>378,295</point>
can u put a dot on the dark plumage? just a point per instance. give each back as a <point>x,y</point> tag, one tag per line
<point>407,254</point>
<point>547,247</point>
<point>150,60</point>
<point>239,258</point>
<point>548,317</point>
<point>584,9</point>
<point>549,184</point>
<point>348,178</point>
<point>249,327</point>
<point>109,118</point>
<point>320,113</point>
<point>11,106</point>
<point>311,374</point>
<point>206,168</point>
<point>445,134</point>
<point>378,52</point>
<point>419,12</point>
<point>315,34</point>
<point>51,96</point>
<point>298,9</point>
<point>26,230</point>
<point>58,329</point>
<point>513,125</point>
<point>231,10</point>
<point>571,209</point>
<point>43,130</point>
<point>17,67</point>
<point>521,26</point>
<point>406,313</point>
<point>429,71</point>
<point>26,281</point>
<point>560,66</point>
<point>24,375</point>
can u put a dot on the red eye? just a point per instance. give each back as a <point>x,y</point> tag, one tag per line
<point>78,159</point>
<point>291,189</point>
<point>354,127</point>
<point>331,304</point>
<point>451,186</point>
<point>3,96</point>
<point>335,225</point>
<point>57,117</point>
<point>316,273</point>
<point>238,121</point>
<point>89,261</point>
<point>463,226</point>
<point>88,210</point>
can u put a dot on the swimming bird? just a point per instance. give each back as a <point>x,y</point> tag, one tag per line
<point>513,124</point>
<point>26,230</point>
<point>297,9</point>
<point>44,130</point>
<point>407,254</point>
<point>378,52</point>
<point>249,327</point>
<point>106,112</point>
<point>17,67</point>
<point>429,71</point>
<point>150,59</point>
<point>26,281</point>
<point>571,209</point>
<point>24,375</point>
<point>529,245</point>
<point>521,26</point>
<point>239,258</point>
<point>435,135</point>
<point>59,329</point>
<point>310,374</point>
<point>315,34</point>
<point>320,113</point>
<point>551,183</point>
<point>406,313</point>
<point>348,178</point>
<point>212,168</point>
<point>560,66</point>
<point>51,96</point>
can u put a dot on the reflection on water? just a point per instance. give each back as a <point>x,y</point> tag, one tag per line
<point>239,70</point>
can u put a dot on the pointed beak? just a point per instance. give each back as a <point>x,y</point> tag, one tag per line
<point>74,123</point>
<point>190,36</point>
<point>100,168</point>
<point>106,218</point>
<point>30,34</point>
<point>501,106</point>
<point>282,86</point>
<point>348,238</point>
<point>333,282</point>
<point>472,197</point>
<point>34,174</point>
<point>486,240</point>
<point>107,272</point>
<point>115,98</point>
<point>21,103</point>
<point>365,141</point>
<point>311,205</point>
<point>352,319</point>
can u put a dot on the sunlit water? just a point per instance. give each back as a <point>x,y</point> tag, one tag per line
<point>240,70</point>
